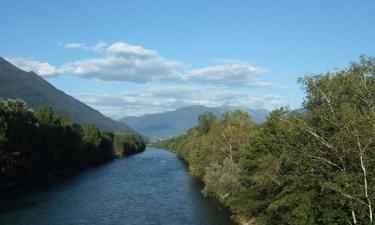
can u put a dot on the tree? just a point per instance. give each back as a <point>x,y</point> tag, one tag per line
<point>232,133</point>
<point>41,144</point>
<point>341,121</point>
<point>205,122</point>
<point>91,134</point>
<point>18,127</point>
<point>222,180</point>
<point>127,144</point>
<point>45,115</point>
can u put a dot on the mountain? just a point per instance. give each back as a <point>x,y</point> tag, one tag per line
<point>35,91</point>
<point>169,124</point>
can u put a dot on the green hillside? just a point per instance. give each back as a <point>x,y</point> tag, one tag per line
<point>35,91</point>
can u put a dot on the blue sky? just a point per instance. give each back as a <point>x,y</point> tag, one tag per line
<point>135,57</point>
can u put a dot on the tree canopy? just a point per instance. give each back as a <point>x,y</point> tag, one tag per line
<point>41,144</point>
<point>314,166</point>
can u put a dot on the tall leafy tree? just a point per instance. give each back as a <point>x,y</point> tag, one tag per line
<point>341,122</point>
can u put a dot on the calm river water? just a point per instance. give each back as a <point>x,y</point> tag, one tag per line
<point>151,188</point>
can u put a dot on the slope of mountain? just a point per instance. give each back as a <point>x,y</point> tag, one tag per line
<point>35,91</point>
<point>169,124</point>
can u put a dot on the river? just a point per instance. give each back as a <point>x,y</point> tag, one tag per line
<point>150,188</point>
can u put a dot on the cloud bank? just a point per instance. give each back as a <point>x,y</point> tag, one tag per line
<point>165,98</point>
<point>123,62</point>
<point>161,84</point>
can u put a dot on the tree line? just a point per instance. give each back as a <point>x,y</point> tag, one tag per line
<point>311,166</point>
<point>42,144</point>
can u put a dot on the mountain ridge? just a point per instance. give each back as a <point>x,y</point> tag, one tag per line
<point>36,91</point>
<point>168,124</point>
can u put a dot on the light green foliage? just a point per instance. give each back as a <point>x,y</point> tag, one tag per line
<point>341,123</point>
<point>45,115</point>
<point>91,134</point>
<point>64,121</point>
<point>211,143</point>
<point>128,144</point>
<point>222,180</point>
<point>233,133</point>
<point>312,167</point>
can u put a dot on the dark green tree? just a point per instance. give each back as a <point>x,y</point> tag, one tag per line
<point>205,122</point>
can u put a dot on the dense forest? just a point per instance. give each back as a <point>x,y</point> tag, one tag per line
<point>41,144</point>
<point>311,166</point>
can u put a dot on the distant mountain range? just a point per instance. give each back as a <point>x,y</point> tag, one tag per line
<point>35,91</point>
<point>169,124</point>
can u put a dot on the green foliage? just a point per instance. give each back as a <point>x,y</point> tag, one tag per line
<point>222,180</point>
<point>91,134</point>
<point>205,122</point>
<point>45,115</point>
<point>312,167</point>
<point>18,127</point>
<point>128,144</point>
<point>40,144</point>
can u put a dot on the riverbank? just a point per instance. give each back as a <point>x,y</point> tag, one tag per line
<point>240,220</point>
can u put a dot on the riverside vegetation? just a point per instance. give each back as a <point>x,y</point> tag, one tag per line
<point>311,166</point>
<point>40,144</point>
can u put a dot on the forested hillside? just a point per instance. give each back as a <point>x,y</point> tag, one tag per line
<point>35,91</point>
<point>42,144</point>
<point>314,167</point>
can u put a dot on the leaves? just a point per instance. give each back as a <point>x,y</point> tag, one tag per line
<point>316,166</point>
<point>40,144</point>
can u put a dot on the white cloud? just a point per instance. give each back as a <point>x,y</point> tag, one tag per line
<point>121,49</point>
<point>175,91</point>
<point>261,101</point>
<point>99,47</point>
<point>41,68</point>
<point>159,84</point>
<point>238,73</point>
<point>128,103</point>
<point>165,98</point>
<point>123,69</point>
<point>74,45</point>
<point>130,63</point>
